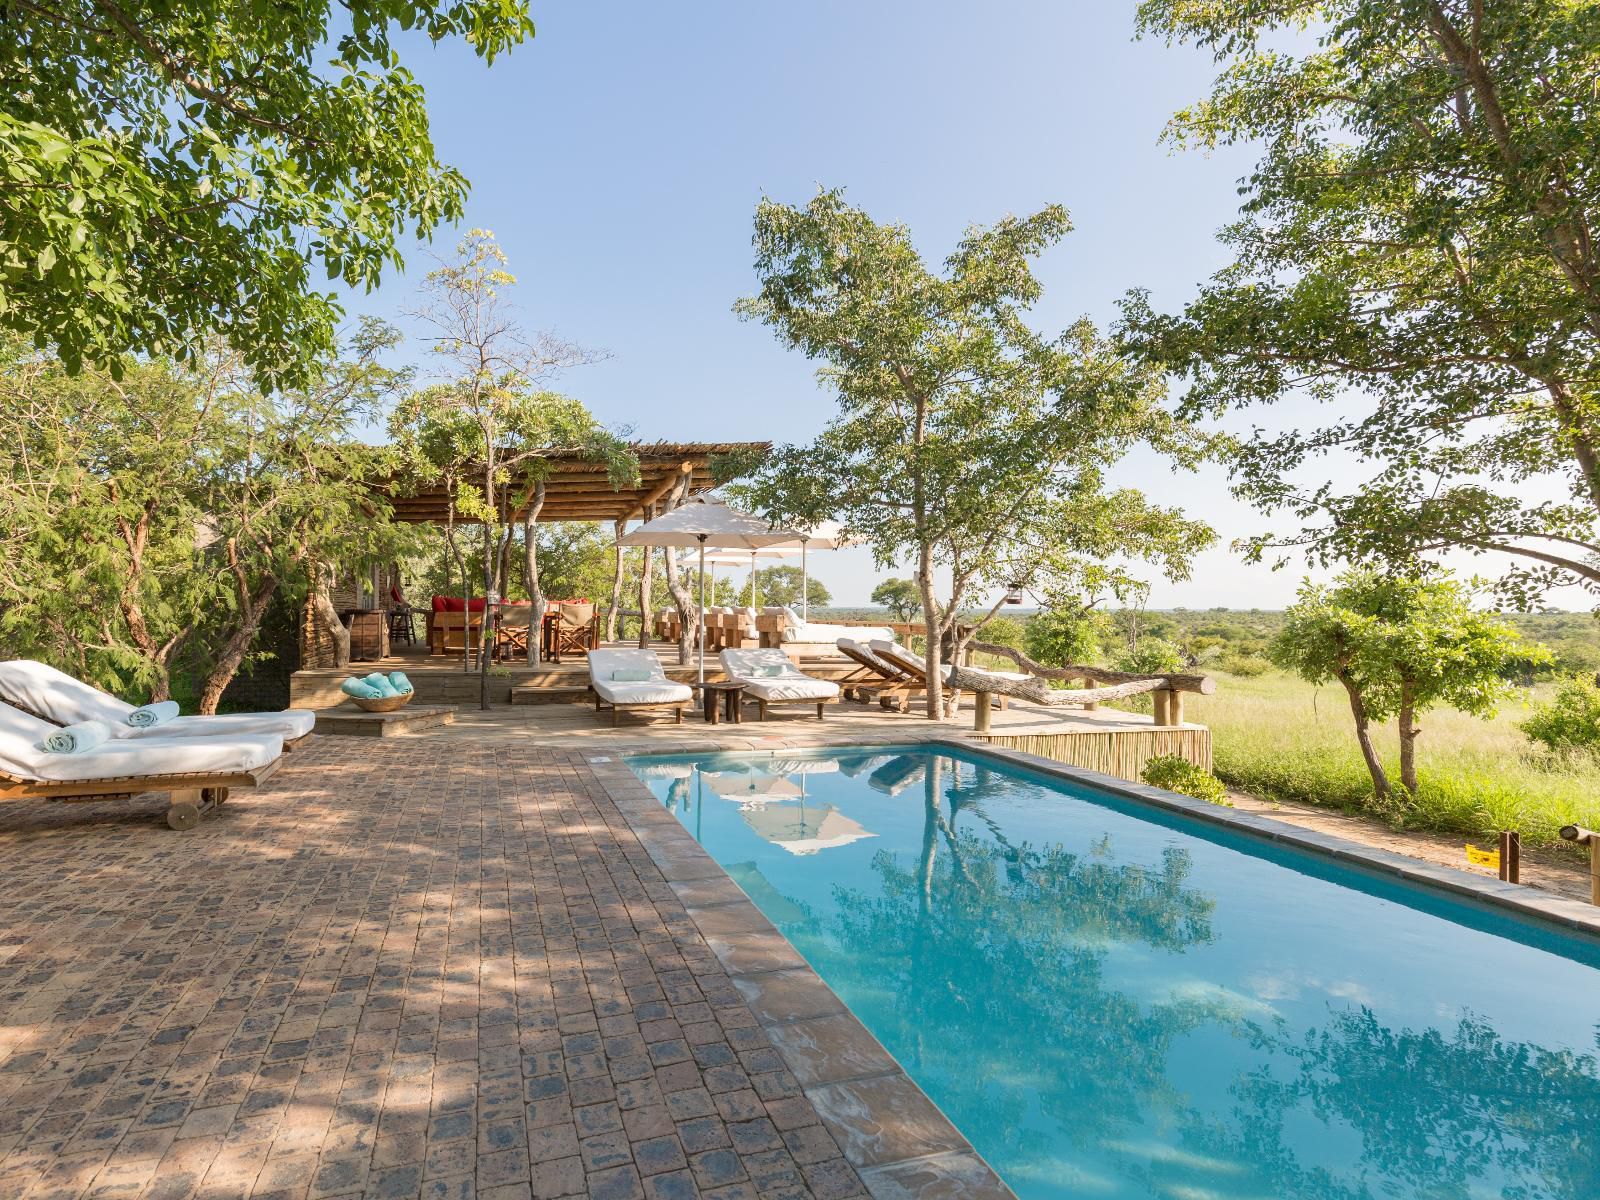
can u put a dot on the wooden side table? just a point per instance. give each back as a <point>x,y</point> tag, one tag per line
<point>730,692</point>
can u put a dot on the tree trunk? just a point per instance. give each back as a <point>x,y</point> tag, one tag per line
<point>645,568</point>
<point>1358,710</point>
<point>530,576</point>
<point>329,615</point>
<point>612,627</point>
<point>1408,738</point>
<point>688,609</point>
<point>226,665</point>
<point>931,657</point>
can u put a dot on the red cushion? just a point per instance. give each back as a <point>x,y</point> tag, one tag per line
<point>441,604</point>
<point>473,605</point>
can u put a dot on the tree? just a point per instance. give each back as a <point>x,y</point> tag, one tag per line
<point>148,521</point>
<point>1417,251</point>
<point>783,584</point>
<point>169,172</point>
<point>1398,645</point>
<point>1064,632</point>
<point>489,425</point>
<point>963,439</point>
<point>900,597</point>
<point>1150,656</point>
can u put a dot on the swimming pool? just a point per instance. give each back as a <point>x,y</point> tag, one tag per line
<point>1110,1000</point>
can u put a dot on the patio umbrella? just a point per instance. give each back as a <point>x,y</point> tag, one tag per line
<point>702,522</point>
<point>740,558</point>
<point>828,535</point>
<point>800,830</point>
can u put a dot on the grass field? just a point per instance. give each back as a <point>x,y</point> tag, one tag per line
<point>1277,737</point>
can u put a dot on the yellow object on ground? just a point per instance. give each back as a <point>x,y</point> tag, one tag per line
<point>1483,858</point>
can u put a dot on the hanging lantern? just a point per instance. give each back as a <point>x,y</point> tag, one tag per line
<point>1014,594</point>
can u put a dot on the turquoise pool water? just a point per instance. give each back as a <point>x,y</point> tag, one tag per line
<point>1110,1001</point>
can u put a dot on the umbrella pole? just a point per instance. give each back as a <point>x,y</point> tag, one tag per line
<point>805,583</point>
<point>702,608</point>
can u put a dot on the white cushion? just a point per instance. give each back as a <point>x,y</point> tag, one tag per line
<point>655,691</point>
<point>887,669</point>
<point>66,700</point>
<point>20,756</point>
<point>896,654</point>
<point>800,687</point>
<point>787,682</point>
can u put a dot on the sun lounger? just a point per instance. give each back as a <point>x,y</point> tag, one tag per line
<point>879,678</point>
<point>912,666</point>
<point>633,679</point>
<point>55,696</point>
<point>197,772</point>
<point>770,678</point>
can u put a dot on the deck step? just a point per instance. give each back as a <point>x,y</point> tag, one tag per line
<point>566,693</point>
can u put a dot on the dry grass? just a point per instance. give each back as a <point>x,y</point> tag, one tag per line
<point>1277,737</point>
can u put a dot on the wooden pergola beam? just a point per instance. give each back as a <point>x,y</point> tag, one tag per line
<point>667,483</point>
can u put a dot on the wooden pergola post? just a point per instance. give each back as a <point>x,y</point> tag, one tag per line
<point>612,620</point>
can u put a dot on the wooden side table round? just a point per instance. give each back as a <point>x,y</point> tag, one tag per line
<point>730,692</point>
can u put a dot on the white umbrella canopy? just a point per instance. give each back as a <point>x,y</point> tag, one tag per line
<point>805,831</point>
<point>705,522</point>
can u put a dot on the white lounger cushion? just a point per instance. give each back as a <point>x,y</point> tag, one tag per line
<point>67,700</point>
<point>879,664</point>
<point>658,689</point>
<point>20,756</point>
<point>769,675</point>
<point>798,629</point>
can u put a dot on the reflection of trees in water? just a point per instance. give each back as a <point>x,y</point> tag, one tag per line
<point>1439,1115</point>
<point>978,942</point>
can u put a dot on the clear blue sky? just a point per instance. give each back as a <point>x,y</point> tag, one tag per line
<point>619,157</point>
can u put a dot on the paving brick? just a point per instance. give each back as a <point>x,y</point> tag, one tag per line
<point>464,979</point>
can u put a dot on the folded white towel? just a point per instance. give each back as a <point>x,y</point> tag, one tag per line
<point>152,715</point>
<point>77,739</point>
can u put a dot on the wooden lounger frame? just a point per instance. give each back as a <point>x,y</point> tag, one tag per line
<point>192,795</point>
<point>677,706</point>
<point>763,705</point>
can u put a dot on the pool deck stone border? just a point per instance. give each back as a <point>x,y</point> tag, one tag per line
<point>899,1142</point>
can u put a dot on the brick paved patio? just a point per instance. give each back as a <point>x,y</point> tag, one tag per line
<point>408,968</point>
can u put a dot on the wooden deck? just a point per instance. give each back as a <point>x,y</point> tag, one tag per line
<point>548,705</point>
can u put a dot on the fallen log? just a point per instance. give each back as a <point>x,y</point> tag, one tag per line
<point>1202,685</point>
<point>1037,690</point>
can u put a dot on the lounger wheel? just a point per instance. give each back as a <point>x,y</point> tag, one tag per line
<point>212,797</point>
<point>183,816</point>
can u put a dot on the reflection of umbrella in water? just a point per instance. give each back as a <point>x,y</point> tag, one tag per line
<point>802,830</point>
<point>802,766</point>
<point>748,787</point>
<point>896,775</point>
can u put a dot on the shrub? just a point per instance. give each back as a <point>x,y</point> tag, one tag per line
<point>1178,774</point>
<point>1246,665</point>
<point>1569,720</point>
<point>1152,656</point>
<point>1063,636</point>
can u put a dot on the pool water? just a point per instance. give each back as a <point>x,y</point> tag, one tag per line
<point>1113,1001</point>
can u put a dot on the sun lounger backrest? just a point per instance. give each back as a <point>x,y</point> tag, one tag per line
<point>864,655</point>
<point>20,735</point>
<point>603,662</point>
<point>898,656</point>
<point>756,664</point>
<point>39,688</point>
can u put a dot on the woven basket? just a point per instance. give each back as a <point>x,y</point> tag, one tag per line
<point>384,703</point>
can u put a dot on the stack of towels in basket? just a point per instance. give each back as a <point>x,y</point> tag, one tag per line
<point>377,686</point>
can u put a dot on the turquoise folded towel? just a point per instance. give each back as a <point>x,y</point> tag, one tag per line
<point>152,715</point>
<point>400,683</point>
<point>379,682</point>
<point>359,688</point>
<point>76,739</point>
<point>630,675</point>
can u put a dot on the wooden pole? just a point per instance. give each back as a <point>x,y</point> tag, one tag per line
<point>980,714</point>
<point>1174,707</point>
<point>1163,703</point>
<point>1511,856</point>
<point>1588,837</point>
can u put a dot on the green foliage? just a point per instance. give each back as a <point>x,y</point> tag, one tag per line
<point>1064,634</point>
<point>147,523</point>
<point>900,597</point>
<point>1245,665</point>
<point>1175,773</point>
<point>963,439</point>
<point>1418,232</point>
<point>783,584</point>
<point>1151,656</point>
<point>1005,631</point>
<point>1568,720</point>
<point>170,172</point>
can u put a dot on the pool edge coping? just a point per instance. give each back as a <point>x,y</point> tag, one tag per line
<point>956,1162</point>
